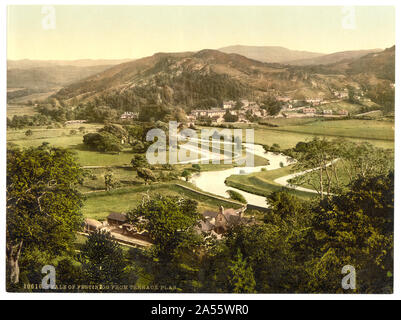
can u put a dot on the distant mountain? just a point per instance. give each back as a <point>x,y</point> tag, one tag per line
<point>270,54</point>
<point>333,57</point>
<point>51,76</point>
<point>381,64</point>
<point>27,63</point>
<point>369,68</point>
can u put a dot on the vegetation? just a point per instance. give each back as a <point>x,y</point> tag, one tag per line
<point>236,196</point>
<point>43,205</point>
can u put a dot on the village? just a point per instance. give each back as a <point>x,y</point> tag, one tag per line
<point>212,223</point>
<point>244,111</point>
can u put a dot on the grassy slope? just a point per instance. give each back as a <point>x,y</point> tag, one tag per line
<point>98,205</point>
<point>262,183</point>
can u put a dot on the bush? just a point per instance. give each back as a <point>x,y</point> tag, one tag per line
<point>236,196</point>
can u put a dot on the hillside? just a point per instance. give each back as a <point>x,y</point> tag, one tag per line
<point>205,78</point>
<point>190,79</point>
<point>333,57</point>
<point>369,68</point>
<point>272,54</point>
<point>47,77</point>
<point>27,63</point>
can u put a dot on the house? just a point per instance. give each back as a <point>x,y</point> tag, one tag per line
<point>328,112</point>
<point>309,110</point>
<point>116,219</point>
<point>229,104</point>
<point>92,225</point>
<point>210,113</point>
<point>343,112</point>
<point>220,222</point>
<point>129,115</point>
<point>341,94</point>
<point>314,101</point>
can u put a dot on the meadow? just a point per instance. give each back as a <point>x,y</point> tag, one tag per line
<point>98,205</point>
<point>262,183</point>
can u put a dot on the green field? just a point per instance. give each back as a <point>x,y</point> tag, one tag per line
<point>98,205</point>
<point>262,183</point>
<point>355,129</point>
<point>291,131</point>
<point>20,110</point>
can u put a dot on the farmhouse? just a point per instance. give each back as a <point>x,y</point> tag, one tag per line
<point>116,219</point>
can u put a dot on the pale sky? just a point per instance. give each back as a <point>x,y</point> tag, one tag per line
<point>116,32</point>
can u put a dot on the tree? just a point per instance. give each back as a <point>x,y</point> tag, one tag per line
<point>104,141</point>
<point>146,174</point>
<point>29,133</point>
<point>241,275</point>
<point>196,167</point>
<point>109,181</point>
<point>320,157</point>
<point>138,146</point>
<point>186,174</point>
<point>73,132</point>
<point>229,117</point>
<point>102,259</point>
<point>168,219</point>
<point>43,204</point>
<point>355,228</point>
<point>236,196</point>
<point>139,161</point>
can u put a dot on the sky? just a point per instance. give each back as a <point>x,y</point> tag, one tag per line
<point>131,32</point>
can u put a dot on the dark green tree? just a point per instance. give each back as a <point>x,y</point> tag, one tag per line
<point>102,259</point>
<point>43,204</point>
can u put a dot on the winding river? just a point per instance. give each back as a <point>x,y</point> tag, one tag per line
<point>214,181</point>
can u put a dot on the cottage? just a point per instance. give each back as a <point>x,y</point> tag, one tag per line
<point>309,110</point>
<point>92,225</point>
<point>116,219</point>
<point>219,222</point>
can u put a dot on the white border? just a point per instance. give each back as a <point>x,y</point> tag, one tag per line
<point>184,296</point>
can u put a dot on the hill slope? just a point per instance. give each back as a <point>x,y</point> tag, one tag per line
<point>271,54</point>
<point>47,77</point>
<point>333,57</point>
<point>205,78</point>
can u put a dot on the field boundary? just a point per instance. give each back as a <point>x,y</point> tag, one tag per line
<point>208,195</point>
